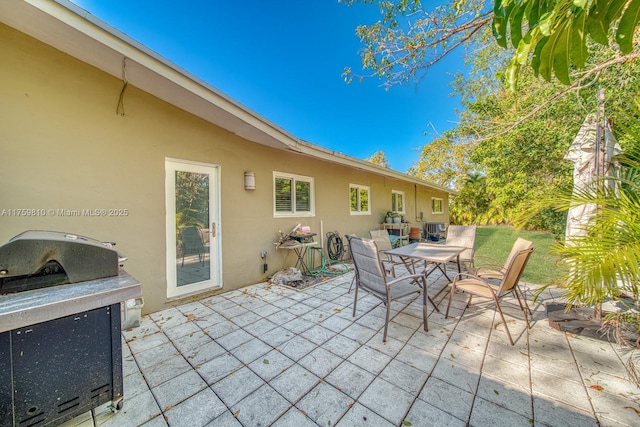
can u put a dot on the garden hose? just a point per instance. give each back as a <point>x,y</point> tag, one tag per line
<point>335,248</point>
<point>325,267</point>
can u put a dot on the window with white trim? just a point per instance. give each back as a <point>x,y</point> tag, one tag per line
<point>359,199</point>
<point>397,202</point>
<point>293,195</point>
<point>437,206</point>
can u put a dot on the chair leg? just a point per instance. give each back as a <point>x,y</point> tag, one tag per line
<point>355,301</point>
<point>353,280</point>
<point>425,314</point>
<point>435,307</point>
<point>506,328</point>
<point>386,322</point>
<point>524,298</point>
<point>411,268</point>
<point>451,292</point>
<point>524,312</point>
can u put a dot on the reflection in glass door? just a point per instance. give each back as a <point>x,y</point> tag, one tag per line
<point>193,256</point>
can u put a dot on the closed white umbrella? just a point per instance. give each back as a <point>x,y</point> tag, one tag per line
<point>583,152</point>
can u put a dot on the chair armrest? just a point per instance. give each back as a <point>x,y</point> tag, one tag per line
<point>467,275</point>
<point>480,281</point>
<point>488,268</point>
<point>419,276</point>
<point>387,261</point>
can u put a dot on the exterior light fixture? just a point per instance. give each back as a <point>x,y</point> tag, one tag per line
<point>249,180</point>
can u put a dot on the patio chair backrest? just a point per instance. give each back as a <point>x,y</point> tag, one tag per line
<point>381,237</point>
<point>204,236</point>
<point>349,238</point>
<point>514,270</point>
<point>191,241</point>
<point>367,263</point>
<point>519,245</point>
<point>465,236</point>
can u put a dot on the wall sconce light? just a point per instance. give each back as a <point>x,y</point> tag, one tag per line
<point>249,180</point>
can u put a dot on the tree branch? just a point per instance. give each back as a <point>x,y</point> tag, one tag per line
<point>578,84</point>
<point>398,51</point>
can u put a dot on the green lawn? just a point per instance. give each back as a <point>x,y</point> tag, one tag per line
<point>496,242</point>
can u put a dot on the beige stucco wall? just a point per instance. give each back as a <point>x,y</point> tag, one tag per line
<point>64,147</point>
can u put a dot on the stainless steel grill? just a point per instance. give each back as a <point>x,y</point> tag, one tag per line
<point>60,345</point>
<point>36,259</point>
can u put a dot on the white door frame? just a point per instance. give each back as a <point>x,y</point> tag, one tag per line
<point>215,246</point>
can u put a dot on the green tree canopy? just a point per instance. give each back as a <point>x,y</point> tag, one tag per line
<point>444,162</point>
<point>378,158</point>
<point>553,36</point>
<point>522,160</point>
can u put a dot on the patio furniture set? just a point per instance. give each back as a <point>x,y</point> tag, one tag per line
<point>375,262</point>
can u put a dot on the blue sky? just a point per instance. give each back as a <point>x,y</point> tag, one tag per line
<point>284,59</point>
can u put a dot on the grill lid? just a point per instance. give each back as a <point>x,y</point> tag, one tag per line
<point>36,259</point>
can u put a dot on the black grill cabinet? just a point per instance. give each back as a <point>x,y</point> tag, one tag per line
<point>60,345</point>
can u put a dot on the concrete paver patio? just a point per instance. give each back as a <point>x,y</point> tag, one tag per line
<point>273,355</point>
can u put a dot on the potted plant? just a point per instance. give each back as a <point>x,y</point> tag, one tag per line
<point>392,217</point>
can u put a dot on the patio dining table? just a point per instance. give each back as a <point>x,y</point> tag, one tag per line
<point>435,256</point>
